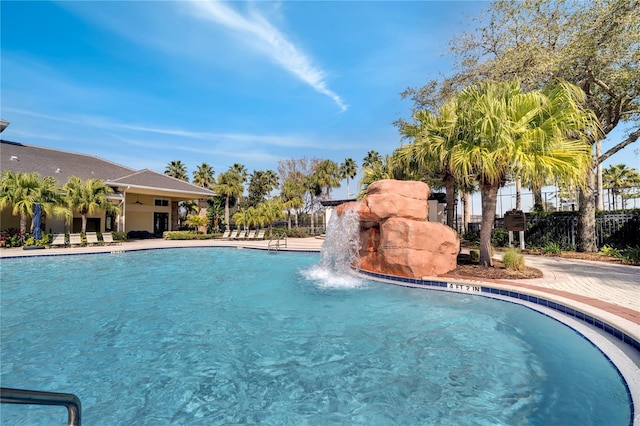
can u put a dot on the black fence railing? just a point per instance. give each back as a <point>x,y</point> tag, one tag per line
<point>614,229</point>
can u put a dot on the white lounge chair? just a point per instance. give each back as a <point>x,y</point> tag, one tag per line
<point>234,234</point>
<point>59,240</point>
<point>92,238</point>
<point>75,240</point>
<point>260,235</point>
<point>107,238</point>
<point>251,234</point>
<point>226,234</point>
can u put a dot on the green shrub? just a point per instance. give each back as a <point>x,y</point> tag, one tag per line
<point>473,237</point>
<point>551,248</point>
<point>610,251</point>
<point>185,235</point>
<point>475,255</point>
<point>119,236</point>
<point>513,259</point>
<point>294,232</point>
<point>632,255</point>
<point>499,237</point>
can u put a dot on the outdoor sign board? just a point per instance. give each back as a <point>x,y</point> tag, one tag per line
<point>514,220</point>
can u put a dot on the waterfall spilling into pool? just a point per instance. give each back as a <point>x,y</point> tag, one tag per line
<point>340,253</point>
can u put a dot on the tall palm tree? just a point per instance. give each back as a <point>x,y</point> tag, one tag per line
<point>21,191</point>
<point>87,197</point>
<point>177,169</point>
<point>327,175</point>
<point>619,177</point>
<point>241,170</point>
<point>271,210</point>
<point>348,170</point>
<point>228,185</point>
<point>433,136</point>
<point>372,158</point>
<point>261,184</point>
<point>292,194</point>
<point>508,132</point>
<point>203,176</point>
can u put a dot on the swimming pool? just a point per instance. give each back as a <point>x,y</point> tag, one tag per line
<point>227,336</point>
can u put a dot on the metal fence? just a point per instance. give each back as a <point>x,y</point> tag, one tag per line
<point>619,230</point>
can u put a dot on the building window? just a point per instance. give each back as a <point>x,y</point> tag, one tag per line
<point>161,203</point>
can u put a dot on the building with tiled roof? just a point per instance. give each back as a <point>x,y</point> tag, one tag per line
<point>148,200</point>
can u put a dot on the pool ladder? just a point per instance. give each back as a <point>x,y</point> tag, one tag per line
<point>277,241</point>
<point>20,396</point>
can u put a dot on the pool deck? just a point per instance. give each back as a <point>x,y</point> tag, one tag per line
<point>610,292</point>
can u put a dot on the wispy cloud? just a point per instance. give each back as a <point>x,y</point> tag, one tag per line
<point>271,41</point>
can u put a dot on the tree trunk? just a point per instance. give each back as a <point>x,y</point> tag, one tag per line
<point>84,223</point>
<point>587,216</point>
<point>23,224</point>
<point>465,197</point>
<point>537,198</point>
<point>226,213</point>
<point>450,194</point>
<point>600,189</point>
<point>489,195</point>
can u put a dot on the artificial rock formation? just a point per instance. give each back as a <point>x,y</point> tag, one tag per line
<point>395,236</point>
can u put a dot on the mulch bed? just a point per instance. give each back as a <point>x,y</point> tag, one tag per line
<point>468,268</point>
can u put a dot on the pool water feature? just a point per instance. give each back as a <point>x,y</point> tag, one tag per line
<point>227,336</point>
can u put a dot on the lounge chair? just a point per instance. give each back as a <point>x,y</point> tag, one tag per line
<point>251,234</point>
<point>234,234</point>
<point>107,238</point>
<point>92,238</point>
<point>75,240</point>
<point>241,234</point>
<point>260,235</point>
<point>226,233</point>
<point>59,240</point>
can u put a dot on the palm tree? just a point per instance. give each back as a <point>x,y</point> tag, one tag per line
<point>327,174</point>
<point>176,169</point>
<point>21,191</point>
<point>215,211</point>
<point>292,194</point>
<point>433,136</point>
<point>619,177</point>
<point>203,176</point>
<point>261,184</point>
<point>507,132</point>
<point>229,185</point>
<point>372,158</point>
<point>241,170</point>
<point>87,197</point>
<point>271,210</point>
<point>348,170</point>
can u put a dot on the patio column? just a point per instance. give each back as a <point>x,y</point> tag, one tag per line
<point>174,216</point>
<point>202,204</point>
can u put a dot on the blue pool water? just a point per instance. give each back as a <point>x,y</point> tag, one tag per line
<point>227,336</point>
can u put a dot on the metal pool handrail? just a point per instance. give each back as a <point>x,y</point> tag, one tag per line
<point>274,241</point>
<point>21,396</point>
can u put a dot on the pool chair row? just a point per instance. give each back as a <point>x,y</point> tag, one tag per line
<point>60,240</point>
<point>241,234</point>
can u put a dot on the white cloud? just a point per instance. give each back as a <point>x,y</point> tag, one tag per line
<point>271,42</point>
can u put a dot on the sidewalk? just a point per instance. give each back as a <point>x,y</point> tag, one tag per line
<point>607,291</point>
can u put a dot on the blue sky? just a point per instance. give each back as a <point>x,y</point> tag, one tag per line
<point>142,83</point>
